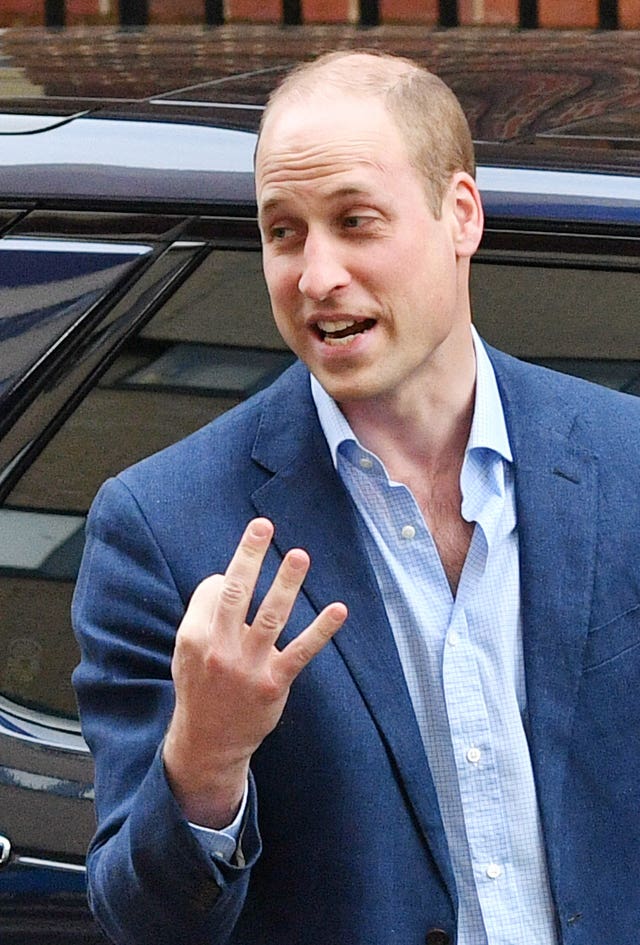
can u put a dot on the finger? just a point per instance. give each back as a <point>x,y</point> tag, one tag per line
<point>203,603</point>
<point>240,578</point>
<point>276,607</point>
<point>299,653</point>
<point>192,634</point>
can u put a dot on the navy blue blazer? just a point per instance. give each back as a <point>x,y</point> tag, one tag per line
<point>344,843</point>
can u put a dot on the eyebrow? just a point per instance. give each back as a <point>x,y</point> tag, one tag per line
<point>338,194</point>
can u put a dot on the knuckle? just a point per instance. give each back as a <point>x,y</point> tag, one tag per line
<point>187,655</point>
<point>270,691</point>
<point>234,591</point>
<point>301,655</point>
<point>188,637</point>
<point>268,619</point>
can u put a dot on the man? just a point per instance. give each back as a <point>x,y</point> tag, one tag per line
<point>451,761</point>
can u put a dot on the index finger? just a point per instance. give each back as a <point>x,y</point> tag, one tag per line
<point>239,580</point>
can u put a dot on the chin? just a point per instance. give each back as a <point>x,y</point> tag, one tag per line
<point>347,392</point>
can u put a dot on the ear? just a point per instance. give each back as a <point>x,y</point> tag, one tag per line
<point>468,215</point>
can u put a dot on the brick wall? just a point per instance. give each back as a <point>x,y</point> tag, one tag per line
<point>552,13</point>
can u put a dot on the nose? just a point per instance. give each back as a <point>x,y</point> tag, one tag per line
<point>323,269</point>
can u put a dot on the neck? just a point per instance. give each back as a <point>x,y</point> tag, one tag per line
<point>425,425</point>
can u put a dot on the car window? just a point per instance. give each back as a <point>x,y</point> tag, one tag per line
<point>209,345</point>
<point>47,286</point>
<point>568,304</point>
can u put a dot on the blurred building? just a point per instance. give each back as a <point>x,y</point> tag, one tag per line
<point>544,13</point>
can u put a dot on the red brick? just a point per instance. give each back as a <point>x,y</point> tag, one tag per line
<point>552,13</point>
<point>329,11</point>
<point>80,12</point>
<point>488,12</point>
<point>170,11</point>
<point>409,11</point>
<point>267,11</point>
<point>22,13</point>
<point>629,13</point>
<point>568,13</point>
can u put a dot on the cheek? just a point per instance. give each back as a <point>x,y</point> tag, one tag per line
<point>395,264</point>
<point>282,283</point>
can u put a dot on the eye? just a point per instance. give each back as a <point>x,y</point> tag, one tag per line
<point>279,233</point>
<point>365,222</point>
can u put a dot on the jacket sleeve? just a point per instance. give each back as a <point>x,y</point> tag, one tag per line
<point>147,874</point>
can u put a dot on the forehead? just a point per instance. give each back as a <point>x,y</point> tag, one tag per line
<point>315,140</point>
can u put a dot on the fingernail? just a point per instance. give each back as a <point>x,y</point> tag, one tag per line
<point>298,560</point>
<point>339,612</point>
<point>259,528</point>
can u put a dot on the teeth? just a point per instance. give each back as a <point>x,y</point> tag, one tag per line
<point>329,327</point>
<point>340,341</point>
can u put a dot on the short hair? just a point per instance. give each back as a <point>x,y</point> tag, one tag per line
<point>425,110</point>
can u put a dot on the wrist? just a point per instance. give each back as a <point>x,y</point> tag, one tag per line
<point>208,789</point>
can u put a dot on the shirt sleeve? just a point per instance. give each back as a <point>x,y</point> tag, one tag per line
<point>222,844</point>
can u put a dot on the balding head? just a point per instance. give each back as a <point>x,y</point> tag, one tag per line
<point>424,109</point>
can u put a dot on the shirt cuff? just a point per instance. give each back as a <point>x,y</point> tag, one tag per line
<point>222,844</point>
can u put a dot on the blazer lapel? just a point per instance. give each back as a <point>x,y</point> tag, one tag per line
<point>556,496</point>
<point>312,509</point>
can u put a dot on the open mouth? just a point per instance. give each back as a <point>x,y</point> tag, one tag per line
<point>343,332</point>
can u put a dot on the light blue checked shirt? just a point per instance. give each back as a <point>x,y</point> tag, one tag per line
<point>462,659</point>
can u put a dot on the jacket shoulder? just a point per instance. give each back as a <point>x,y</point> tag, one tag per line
<point>600,417</point>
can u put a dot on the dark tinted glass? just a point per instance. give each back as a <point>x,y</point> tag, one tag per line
<point>46,286</point>
<point>578,315</point>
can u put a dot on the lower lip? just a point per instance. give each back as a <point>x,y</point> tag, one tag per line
<point>354,346</point>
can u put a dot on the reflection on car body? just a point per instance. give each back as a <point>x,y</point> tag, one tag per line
<point>133,311</point>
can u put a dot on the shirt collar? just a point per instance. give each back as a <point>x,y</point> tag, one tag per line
<point>488,428</point>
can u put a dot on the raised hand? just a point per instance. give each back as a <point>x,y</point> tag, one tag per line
<point>231,681</point>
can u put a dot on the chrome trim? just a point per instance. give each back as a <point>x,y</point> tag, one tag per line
<point>44,783</point>
<point>506,180</point>
<point>37,717</point>
<point>5,851</point>
<point>41,863</point>
<point>44,244</point>
<point>193,103</point>
<point>33,726</point>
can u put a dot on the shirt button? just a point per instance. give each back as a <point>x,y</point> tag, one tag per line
<point>494,870</point>
<point>408,531</point>
<point>366,463</point>
<point>453,639</point>
<point>474,755</point>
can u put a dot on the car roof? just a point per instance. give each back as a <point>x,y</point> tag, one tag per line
<point>93,112</point>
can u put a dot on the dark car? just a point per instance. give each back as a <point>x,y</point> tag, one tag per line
<point>133,311</point>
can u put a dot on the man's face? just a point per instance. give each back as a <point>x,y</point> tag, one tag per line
<point>365,283</point>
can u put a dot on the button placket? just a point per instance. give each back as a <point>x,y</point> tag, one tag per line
<point>470,729</point>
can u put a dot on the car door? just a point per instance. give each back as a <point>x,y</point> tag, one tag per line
<point>119,334</point>
<point>69,299</point>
